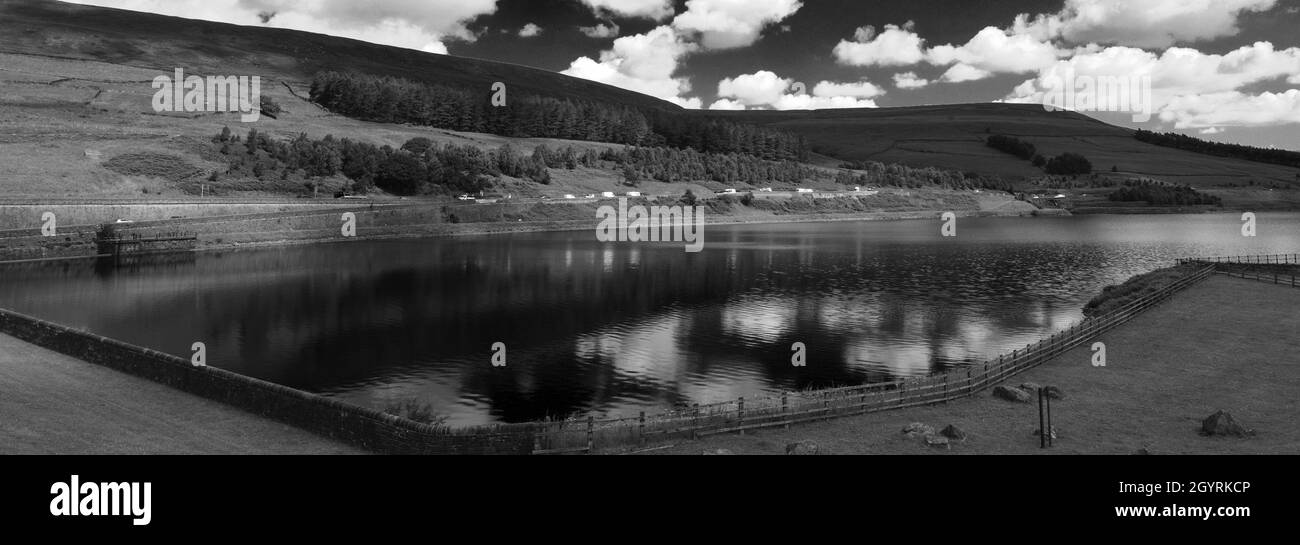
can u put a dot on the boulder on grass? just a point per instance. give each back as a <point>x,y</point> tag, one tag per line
<point>1031,387</point>
<point>953,432</point>
<point>1054,392</point>
<point>1011,394</point>
<point>937,441</point>
<point>917,429</point>
<point>802,448</point>
<point>1222,423</point>
<point>1051,432</point>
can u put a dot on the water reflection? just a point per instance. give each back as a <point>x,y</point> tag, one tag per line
<point>617,328</point>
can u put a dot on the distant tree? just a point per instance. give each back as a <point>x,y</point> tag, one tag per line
<point>1068,163</point>
<point>1039,161</point>
<point>1012,145</point>
<point>1114,168</point>
<point>688,199</point>
<point>418,145</point>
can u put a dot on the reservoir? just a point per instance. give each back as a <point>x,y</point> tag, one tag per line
<point>614,328</point>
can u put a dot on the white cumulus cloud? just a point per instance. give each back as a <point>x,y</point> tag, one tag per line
<point>1186,85</point>
<point>647,9</point>
<point>645,63</point>
<point>1148,23</point>
<point>909,80</point>
<point>600,30</point>
<point>728,24</point>
<point>529,30</point>
<point>766,90</point>
<point>895,46</point>
<point>413,24</point>
<point>992,51</point>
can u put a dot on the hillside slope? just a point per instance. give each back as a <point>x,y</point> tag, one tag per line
<point>75,91</point>
<point>952,136</point>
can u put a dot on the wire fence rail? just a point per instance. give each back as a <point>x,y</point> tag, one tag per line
<point>1283,276</point>
<point>586,435</point>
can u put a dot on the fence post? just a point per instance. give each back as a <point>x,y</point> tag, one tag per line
<point>695,428</point>
<point>1048,399</point>
<point>785,409</point>
<point>970,385</point>
<point>1042,434</point>
<point>640,429</point>
<point>591,434</point>
<point>740,412</point>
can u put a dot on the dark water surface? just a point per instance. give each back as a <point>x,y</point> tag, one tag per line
<point>616,328</point>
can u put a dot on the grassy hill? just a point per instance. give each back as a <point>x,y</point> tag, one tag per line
<point>75,93</point>
<point>952,136</point>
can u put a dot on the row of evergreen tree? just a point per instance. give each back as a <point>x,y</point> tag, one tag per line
<point>1249,153</point>
<point>875,173</point>
<point>1162,194</point>
<point>1012,145</point>
<point>396,100</point>
<point>421,166</point>
<point>418,167</point>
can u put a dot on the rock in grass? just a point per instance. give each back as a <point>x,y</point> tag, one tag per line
<point>953,432</point>
<point>1011,394</point>
<point>1051,434</point>
<point>1142,452</point>
<point>1030,387</point>
<point>917,429</point>
<point>937,441</point>
<point>802,448</point>
<point>1054,392</point>
<point>1222,423</point>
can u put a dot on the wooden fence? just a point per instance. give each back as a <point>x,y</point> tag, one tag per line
<point>1261,274</point>
<point>586,435</point>
<point>1268,259</point>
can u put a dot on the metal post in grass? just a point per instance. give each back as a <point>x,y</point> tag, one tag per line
<point>591,434</point>
<point>1048,400</point>
<point>640,429</point>
<point>695,425</point>
<point>1042,435</point>
<point>740,412</point>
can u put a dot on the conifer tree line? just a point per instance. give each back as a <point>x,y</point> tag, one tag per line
<point>1012,145</point>
<point>395,100</point>
<point>1160,193</point>
<point>421,166</point>
<point>896,175</point>
<point>1249,153</point>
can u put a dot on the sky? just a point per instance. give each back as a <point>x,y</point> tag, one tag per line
<point>1223,70</point>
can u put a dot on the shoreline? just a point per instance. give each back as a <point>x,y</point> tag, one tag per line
<point>471,229</point>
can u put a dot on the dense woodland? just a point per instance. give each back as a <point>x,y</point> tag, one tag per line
<point>1012,145</point>
<point>895,175</point>
<point>1162,194</point>
<point>396,100</point>
<point>1068,164</point>
<point>421,166</point>
<point>1237,151</point>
